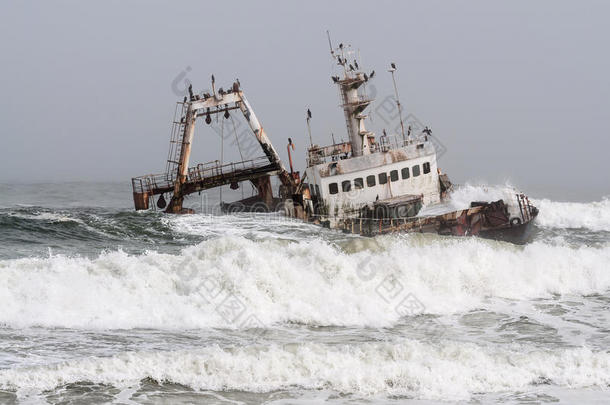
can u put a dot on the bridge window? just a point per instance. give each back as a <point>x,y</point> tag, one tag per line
<point>346,186</point>
<point>394,175</point>
<point>426,167</point>
<point>415,170</point>
<point>317,190</point>
<point>333,188</point>
<point>383,178</point>
<point>405,173</point>
<point>359,183</point>
<point>370,180</point>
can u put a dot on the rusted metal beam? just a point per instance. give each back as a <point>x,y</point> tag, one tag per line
<point>175,204</point>
<point>182,185</point>
<point>218,111</point>
<point>147,186</point>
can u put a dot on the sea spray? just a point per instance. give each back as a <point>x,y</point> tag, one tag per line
<point>447,370</point>
<point>593,215</point>
<point>310,282</point>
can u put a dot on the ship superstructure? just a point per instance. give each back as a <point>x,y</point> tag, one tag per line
<point>345,177</point>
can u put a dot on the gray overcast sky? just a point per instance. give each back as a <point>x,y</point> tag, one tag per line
<point>516,91</point>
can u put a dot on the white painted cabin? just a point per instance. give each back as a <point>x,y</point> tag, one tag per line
<point>343,178</point>
<point>343,186</point>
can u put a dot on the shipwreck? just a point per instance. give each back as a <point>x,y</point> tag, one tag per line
<point>367,185</point>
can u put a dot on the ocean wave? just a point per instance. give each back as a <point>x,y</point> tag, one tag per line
<point>47,216</point>
<point>236,282</point>
<point>447,370</point>
<point>463,195</point>
<point>592,215</point>
<point>104,228</point>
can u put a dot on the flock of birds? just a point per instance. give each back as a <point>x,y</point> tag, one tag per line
<point>352,67</point>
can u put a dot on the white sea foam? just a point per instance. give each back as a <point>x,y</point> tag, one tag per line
<point>47,216</point>
<point>592,215</point>
<point>277,281</point>
<point>255,225</point>
<point>463,195</point>
<point>446,370</point>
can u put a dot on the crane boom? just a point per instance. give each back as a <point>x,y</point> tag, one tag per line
<point>221,102</point>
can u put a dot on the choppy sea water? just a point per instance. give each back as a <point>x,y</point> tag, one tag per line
<point>100,304</point>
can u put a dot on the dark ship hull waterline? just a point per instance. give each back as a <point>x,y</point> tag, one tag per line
<point>365,186</point>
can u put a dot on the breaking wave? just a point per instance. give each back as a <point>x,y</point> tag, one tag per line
<point>449,370</point>
<point>358,282</point>
<point>594,216</point>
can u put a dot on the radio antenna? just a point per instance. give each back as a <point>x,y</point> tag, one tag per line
<point>402,125</point>
<point>309,127</point>
<point>330,44</point>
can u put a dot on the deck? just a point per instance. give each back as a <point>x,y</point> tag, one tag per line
<point>201,177</point>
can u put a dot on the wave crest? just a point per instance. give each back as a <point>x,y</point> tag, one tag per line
<point>411,368</point>
<point>593,215</point>
<point>238,283</point>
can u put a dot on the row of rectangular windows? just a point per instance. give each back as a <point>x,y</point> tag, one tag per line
<point>346,185</point>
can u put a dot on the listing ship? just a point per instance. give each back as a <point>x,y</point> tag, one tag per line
<point>366,185</point>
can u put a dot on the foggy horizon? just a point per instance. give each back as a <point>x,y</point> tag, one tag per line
<point>515,92</point>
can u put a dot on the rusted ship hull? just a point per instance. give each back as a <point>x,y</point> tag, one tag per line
<point>490,220</point>
<point>486,220</point>
<point>519,234</point>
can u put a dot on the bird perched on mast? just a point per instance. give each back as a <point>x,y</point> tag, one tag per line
<point>309,127</point>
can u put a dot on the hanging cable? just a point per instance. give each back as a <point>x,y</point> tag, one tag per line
<point>222,141</point>
<point>237,139</point>
<point>239,149</point>
<point>222,152</point>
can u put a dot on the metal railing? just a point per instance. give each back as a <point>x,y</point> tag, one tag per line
<point>395,141</point>
<point>202,172</point>
<point>385,144</point>
<point>150,182</point>
<point>214,169</point>
<point>525,207</point>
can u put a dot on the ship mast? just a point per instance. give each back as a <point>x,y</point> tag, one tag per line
<point>402,125</point>
<point>352,102</point>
